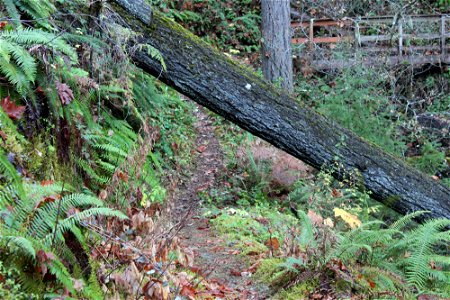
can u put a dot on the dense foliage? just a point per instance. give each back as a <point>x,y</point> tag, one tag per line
<point>92,150</point>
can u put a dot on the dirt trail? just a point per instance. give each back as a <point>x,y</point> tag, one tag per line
<point>217,260</point>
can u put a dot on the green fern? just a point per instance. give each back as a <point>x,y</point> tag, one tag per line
<point>108,146</point>
<point>36,225</point>
<point>306,238</point>
<point>39,10</point>
<point>13,12</point>
<point>31,37</point>
<point>17,64</point>
<point>397,253</point>
<point>421,243</point>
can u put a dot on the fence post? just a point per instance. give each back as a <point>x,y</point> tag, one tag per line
<point>400,38</point>
<point>311,34</point>
<point>357,35</point>
<point>443,37</point>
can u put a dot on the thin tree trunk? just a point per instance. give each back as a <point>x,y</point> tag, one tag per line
<point>224,86</point>
<point>276,42</point>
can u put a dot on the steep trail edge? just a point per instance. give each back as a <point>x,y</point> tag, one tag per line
<point>216,260</point>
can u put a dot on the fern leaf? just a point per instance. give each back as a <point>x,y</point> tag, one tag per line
<point>306,237</point>
<point>405,220</point>
<point>22,245</point>
<point>13,12</point>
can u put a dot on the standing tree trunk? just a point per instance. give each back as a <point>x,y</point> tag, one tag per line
<point>276,42</point>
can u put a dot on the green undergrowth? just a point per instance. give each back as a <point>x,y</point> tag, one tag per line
<point>324,237</point>
<point>229,25</point>
<point>86,138</point>
<point>367,102</point>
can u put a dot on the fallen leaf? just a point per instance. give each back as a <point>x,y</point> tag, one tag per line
<point>3,135</point>
<point>3,24</point>
<point>123,176</point>
<point>254,267</point>
<point>103,195</point>
<point>335,193</point>
<point>13,111</point>
<point>47,182</point>
<point>315,218</point>
<point>235,273</point>
<point>371,283</point>
<point>348,218</point>
<point>273,244</point>
<point>48,199</point>
<point>328,222</point>
<point>43,259</point>
<point>201,148</point>
<point>64,92</point>
<point>188,291</point>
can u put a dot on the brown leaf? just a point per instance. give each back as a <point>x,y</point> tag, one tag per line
<point>3,135</point>
<point>3,24</point>
<point>13,111</point>
<point>335,193</point>
<point>315,218</point>
<point>64,92</point>
<point>48,199</point>
<point>123,176</point>
<point>188,291</point>
<point>43,258</point>
<point>235,273</point>
<point>273,244</point>
<point>103,195</point>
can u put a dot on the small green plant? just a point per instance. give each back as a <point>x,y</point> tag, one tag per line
<point>34,223</point>
<point>231,25</point>
<point>356,100</point>
<point>431,160</point>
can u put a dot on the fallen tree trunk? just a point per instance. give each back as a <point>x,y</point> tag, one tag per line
<point>210,78</point>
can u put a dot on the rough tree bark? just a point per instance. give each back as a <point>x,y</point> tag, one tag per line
<point>276,42</point>
<point>205,75</point>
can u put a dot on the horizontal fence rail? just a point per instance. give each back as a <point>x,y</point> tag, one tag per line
<point>423,35</point>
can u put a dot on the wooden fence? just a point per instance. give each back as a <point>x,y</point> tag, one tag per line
<point>423,35</point>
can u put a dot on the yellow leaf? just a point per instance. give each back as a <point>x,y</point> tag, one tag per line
<point>348,218</point>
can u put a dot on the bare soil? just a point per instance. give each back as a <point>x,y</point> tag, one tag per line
<point>216,259</point>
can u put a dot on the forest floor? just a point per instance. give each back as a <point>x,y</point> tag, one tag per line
<point>222,268</point>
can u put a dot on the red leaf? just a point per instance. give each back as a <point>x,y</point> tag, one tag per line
<point>3,24</point>
<point>46,182</point>
<point>64,92</point>
<point>40,90</point>
<point>371,283</point>
<point>11,109</point>
<point>201,148</point>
